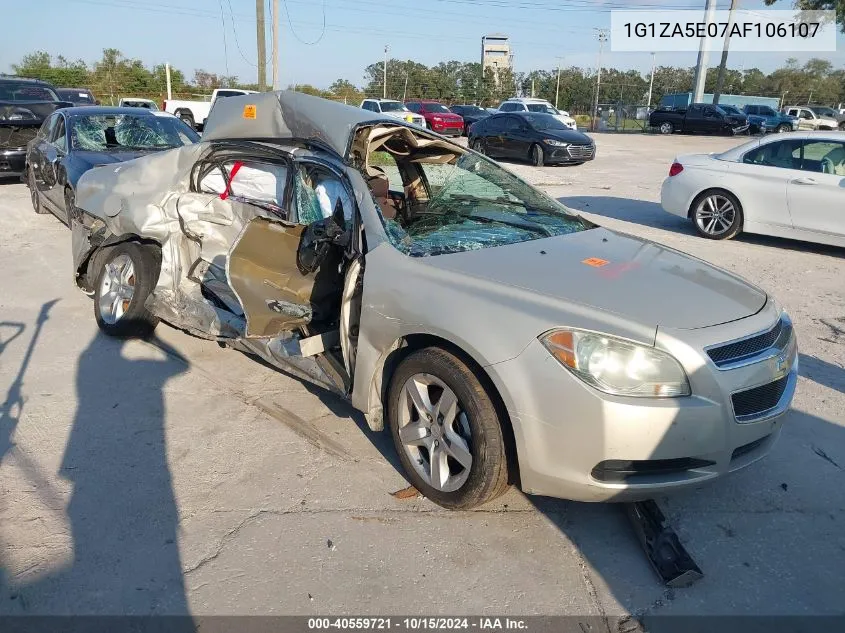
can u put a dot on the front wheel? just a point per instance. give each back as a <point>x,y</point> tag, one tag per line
<point>446,430</point>
<point>842,126</point>
<point>783,127</point>
<point>478,146</point>
<point>33,194</point>
<point>128,274</point>
<point>538,157</point>
<point>666,128</point>
<point>717,215</point>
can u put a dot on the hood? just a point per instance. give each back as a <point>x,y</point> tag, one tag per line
<point>94,159</point>
<point>567,136</point>
<point>642,281</point>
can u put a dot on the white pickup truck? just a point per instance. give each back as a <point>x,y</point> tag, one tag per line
<point>194,113</point>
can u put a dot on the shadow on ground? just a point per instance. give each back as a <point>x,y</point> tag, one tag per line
<point>122,510</point>
<point>652,215</point>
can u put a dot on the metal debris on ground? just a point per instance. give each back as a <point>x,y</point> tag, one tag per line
<point>670,560</point>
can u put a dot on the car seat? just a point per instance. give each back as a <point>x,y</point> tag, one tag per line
<point>380,186</point>
<point>834,162</point>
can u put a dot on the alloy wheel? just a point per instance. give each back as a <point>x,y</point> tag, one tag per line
<point>715,215</point>
<point>33,191</point>
<point>117,288</point>
<point>666,128</point>
<point>435,432</point>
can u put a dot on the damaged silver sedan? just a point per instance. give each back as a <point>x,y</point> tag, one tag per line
<point>500,337</point>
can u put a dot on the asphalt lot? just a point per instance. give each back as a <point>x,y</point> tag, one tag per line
<point>173,476</point>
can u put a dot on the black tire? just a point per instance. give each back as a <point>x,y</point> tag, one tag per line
<point>783,127</point>
<point>70,207</point>
<point>33,194</point>
<point>666,128</point>
<point>136,321</point>
<point>188,119</point>
<point>537,156</point>
<point>488,474</point>
<point>735,227</point>
<point>479,146</point>
<point>842,126</point>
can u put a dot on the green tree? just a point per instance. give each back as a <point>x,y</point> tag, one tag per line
<point>820,5</point>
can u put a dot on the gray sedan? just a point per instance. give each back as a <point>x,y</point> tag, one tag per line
<point>498,336</point>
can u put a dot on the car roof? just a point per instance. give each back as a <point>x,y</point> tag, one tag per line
<point>29,80</point>
<point>104,111</point>
<point>527,100</point>
<point>380,100</point>
<point>74,89</point>
<point>286,114</point>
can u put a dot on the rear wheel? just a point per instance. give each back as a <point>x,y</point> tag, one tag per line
<point>478,146</point>
<point>188,119</point>
<point>842,126</point>
<point>717,215</point>
<point>446,430</point>
<point>666,128</point>
<point>70,207</point>
<point>128,274</point>
<point>33,193</point>
<point>538,157</point>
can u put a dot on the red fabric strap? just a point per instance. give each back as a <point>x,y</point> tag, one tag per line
<point>235,168</point>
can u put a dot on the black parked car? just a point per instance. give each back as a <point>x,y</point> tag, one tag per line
<point>539,138</point>
<point>73,140</point>
<point>471,114</point>
<point>24,104</point>
<point>77,96</point>
<point>699,117</point>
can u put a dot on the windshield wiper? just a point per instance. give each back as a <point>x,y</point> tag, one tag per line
<point>527,226</point>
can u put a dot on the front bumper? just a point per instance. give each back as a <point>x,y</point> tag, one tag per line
<point>573,441</point>
<point>448,128</point>
<point>740,129</point>
<point>12,161</point>
<point>571,154</point>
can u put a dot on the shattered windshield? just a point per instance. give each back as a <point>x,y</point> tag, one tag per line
<point>474,204</point>
<point>110,132</point>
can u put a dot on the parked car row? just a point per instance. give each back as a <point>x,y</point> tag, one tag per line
<point>497,335</point>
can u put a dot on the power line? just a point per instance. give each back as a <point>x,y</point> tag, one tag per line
<point>225,47</point>
<point>293,31</point>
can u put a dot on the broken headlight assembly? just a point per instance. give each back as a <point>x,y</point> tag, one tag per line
<point>617,366</point>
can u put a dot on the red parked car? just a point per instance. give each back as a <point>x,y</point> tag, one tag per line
<point>438,117</point>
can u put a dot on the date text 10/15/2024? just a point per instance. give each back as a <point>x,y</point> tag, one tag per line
<point>418,623</point>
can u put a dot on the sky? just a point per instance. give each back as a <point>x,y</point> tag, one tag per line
<point>189,34</point>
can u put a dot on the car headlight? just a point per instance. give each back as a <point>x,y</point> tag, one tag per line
<point>617,366</point>
<point>555,143</point>
<point>19,114</point>
<point>437,118</point>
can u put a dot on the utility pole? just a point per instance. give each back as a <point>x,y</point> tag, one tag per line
<point>720,79</point>
<point>167,76</point>
<point>405,91</point>
<point>275,44</point>
<point>557,89</point>
<point>262,44</point>
<point>384,91</point>
<point>701,66</point>
<point>601,34</point>
<point>651,81</point>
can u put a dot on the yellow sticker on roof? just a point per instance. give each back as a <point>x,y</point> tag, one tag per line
<point>595,262</point>
<point>250,112</point>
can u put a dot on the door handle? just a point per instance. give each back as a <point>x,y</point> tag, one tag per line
<point>803,181</point>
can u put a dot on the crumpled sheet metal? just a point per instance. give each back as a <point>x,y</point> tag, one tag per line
<point>287,115</point>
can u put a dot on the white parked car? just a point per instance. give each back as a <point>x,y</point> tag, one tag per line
<point>194,113</point>
<point>808,119</point>
<point>787,185</point>
<point>137,102</point>
<point>393,108</point>
<point>538,105</point>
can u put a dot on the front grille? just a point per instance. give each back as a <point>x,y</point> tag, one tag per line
<point>14,136</point>
<point>581,151</point>
<point>758,400</point>
<point>777,337</point>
